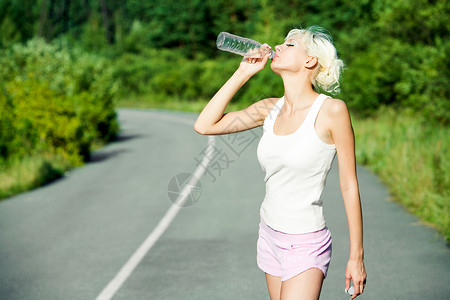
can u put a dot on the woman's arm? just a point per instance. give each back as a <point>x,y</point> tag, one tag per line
<point>212,119</point>
<point>343,137</point>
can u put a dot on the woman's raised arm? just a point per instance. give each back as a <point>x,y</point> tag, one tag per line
<point>212,119</point>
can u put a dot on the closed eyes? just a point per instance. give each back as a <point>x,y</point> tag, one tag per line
<point>290,45</point>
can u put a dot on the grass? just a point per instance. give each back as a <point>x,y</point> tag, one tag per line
<point>21,175</point>
<point>411,156</point>
<point>18,176</point>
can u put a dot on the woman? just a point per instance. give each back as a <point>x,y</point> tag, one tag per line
<point>303,131</point>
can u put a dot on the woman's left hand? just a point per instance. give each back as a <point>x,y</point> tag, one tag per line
<point>357,273</point>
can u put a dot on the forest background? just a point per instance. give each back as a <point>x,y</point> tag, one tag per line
<point>65,66</point>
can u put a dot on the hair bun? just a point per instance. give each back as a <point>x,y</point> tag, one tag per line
<point>328,78</point>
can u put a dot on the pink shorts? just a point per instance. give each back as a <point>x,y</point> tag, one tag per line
<point>287,255</point>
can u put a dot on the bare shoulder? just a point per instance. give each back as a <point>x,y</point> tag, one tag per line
<point>335,108</point>
<point>268,103</point>
<point>262,107</point>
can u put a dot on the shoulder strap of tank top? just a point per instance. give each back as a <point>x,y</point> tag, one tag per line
<point>315,108</point>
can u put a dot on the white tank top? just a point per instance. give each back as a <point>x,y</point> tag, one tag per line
<point>296,167</point>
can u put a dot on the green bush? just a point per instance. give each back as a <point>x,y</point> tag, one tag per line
<point>397,57</point>
<point>54,100</point>
<point>167,74</point>
<point>402,75</point>
<point>45,121</point>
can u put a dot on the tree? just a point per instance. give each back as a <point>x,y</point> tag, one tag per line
<point>108,21</point>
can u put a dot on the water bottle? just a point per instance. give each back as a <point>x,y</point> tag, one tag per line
<point>350,291</point>
<point>239,45</point>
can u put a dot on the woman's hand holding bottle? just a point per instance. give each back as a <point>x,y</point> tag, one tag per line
<point>255,62</point>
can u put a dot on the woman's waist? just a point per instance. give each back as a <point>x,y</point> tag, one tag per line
<point>316,234</point>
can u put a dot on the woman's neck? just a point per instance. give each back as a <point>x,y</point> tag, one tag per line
<point>298,93</point>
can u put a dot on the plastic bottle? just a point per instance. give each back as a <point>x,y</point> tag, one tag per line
<point>350,291</point>
<point>239,45</point>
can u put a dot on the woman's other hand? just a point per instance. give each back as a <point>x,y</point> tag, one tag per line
<point>357,273</point>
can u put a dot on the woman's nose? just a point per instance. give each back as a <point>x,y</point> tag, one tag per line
<point>278,48</point>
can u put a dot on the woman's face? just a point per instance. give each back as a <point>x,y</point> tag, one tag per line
<point>290,56</point>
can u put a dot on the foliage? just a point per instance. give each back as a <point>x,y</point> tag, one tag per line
<point>411,156</point>
<point>17,20</point>
<point>395,51</point>
<point>54,101</point>
<point>403,60</point>
<point>164,74</point>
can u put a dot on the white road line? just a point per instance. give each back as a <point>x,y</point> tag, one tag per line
<point>110,290</point>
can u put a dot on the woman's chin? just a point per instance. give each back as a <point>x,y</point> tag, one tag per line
<point>275,69</point>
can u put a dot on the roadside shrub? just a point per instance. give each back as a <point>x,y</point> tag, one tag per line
<point>54,100</point>
<point>165,74</point>
<point>401,75</point>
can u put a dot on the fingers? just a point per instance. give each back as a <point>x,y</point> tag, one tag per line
<point>347,283</point>
<point>362,286</point>
<point>249,59</point>
<point>356,273</point>
<point>266,57</point>
<point>251,65</point>
<point>253,60</point>
<point>357,289</point>
<point>265,48</point>
<point>259,52</point>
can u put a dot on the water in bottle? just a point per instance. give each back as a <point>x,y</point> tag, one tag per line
<point>240,45</point>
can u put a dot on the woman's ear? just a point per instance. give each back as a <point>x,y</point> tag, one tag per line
<point>311,62</point>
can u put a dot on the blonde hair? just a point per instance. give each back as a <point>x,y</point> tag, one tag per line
<point>319,44</point>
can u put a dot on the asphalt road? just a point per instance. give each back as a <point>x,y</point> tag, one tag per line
<point>69,239</point>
